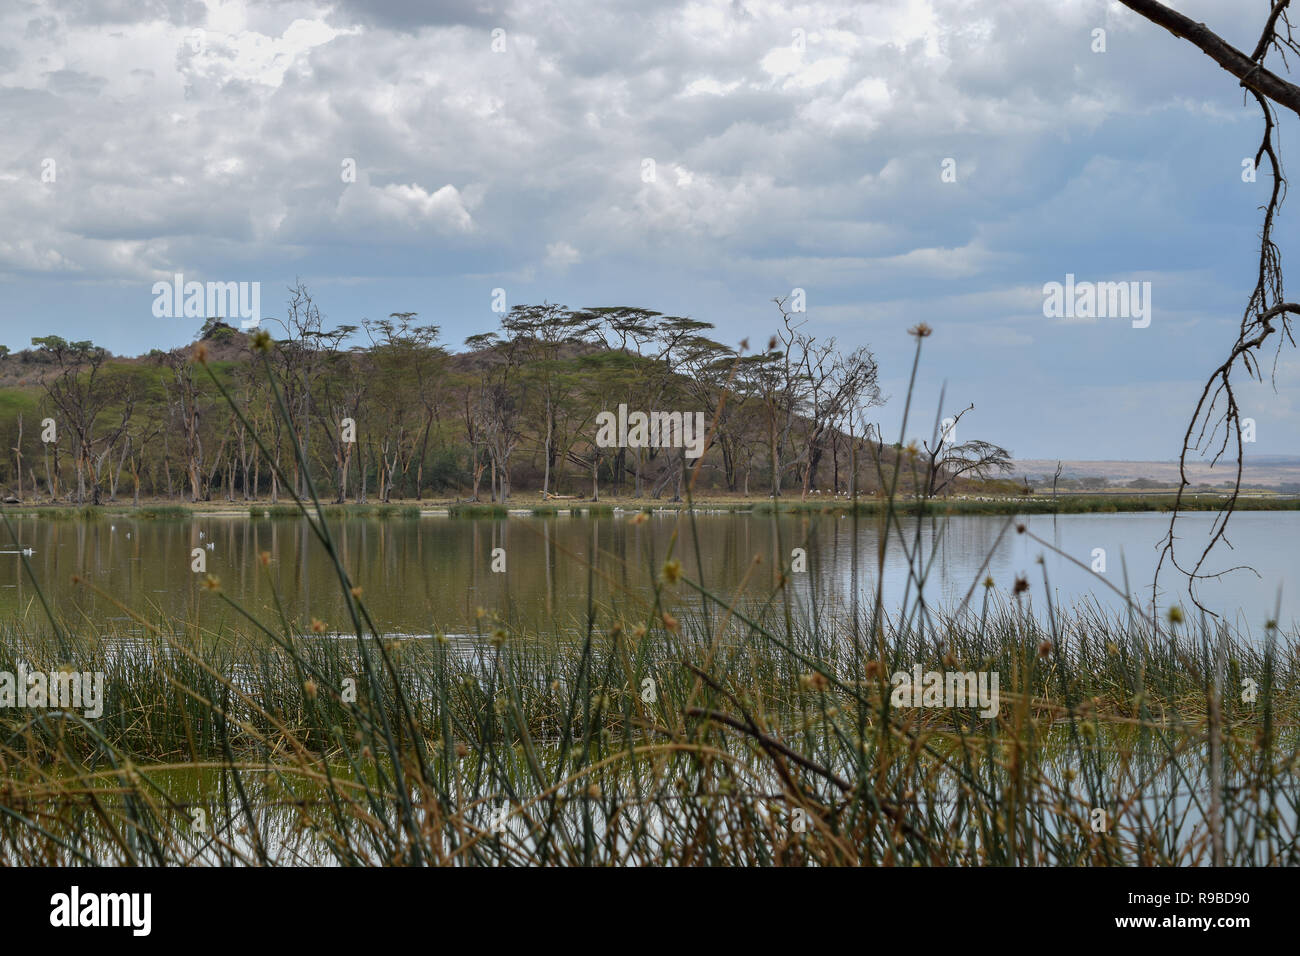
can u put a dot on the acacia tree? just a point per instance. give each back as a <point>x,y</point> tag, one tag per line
<point>677,337</point>
<point>655,343</point>
<point>539,334</point>
<point>467,390</point>
<point>711,377</point>
<point>631,331</point>
<point>139,439</point>
<point>85,392</point>
<point>497,406</point>
<point>537,390</point>
<point>250,388</point>
<point>342,391</point>
<point>340,394</point>
<point>430,371</point>
<point>947,460</point>
<point>184,395</point>
<point>596,375</point>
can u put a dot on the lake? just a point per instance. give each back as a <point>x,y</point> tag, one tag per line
<point>431,574</point>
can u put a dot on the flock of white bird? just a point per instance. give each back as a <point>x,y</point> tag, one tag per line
<point>211,546</point>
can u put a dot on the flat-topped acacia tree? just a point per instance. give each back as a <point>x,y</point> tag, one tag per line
<point>541,333</point>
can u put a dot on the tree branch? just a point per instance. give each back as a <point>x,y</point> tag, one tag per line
<point>1251,73</point>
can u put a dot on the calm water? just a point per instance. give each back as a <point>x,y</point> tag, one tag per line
<point>429,575</point>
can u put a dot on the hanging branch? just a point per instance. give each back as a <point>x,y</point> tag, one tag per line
<point>1266,311</point>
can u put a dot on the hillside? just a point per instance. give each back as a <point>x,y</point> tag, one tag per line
<point>1265,471</point>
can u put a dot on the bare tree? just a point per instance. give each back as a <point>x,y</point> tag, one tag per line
<point>86,396</point>
<point>18,455</point>
<point>838,385</point>
<point>779,379</point>
<point>299,358</point>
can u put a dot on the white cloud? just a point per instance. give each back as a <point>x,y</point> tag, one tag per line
<point>362,205</point>
<point>561,255</point>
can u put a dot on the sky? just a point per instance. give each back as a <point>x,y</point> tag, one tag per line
<point>899,161</point>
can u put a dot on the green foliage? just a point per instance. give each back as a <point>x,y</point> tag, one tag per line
<point>15,402</point>
<point>477,510</point>
<point>163,512</point>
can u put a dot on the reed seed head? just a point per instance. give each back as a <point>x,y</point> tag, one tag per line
<point>672,571</point>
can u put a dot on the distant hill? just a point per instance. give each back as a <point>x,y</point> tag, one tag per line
<point>1271,471</point>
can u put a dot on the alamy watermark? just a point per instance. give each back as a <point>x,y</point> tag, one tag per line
<point>198,300</point>
<point>651,430</point>
<point>129,910</point>
<point>1098,300</point>
<point>66,690</point>
<point>946,689</point>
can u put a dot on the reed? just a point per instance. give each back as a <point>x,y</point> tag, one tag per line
<point>478,510</point>
<point>756,733</point>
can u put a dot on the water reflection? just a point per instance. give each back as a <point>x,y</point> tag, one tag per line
<point>432,574</point>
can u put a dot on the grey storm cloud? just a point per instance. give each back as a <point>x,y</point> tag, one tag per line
<point>92,12</point>
<point>413,14</point>
<point>747,135</point>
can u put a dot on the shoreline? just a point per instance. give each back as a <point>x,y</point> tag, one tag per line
<point>536,506</point>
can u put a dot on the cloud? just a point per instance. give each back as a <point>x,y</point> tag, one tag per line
<point>561,255</point>
<point>404,205</point>
<point>794,145</point>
